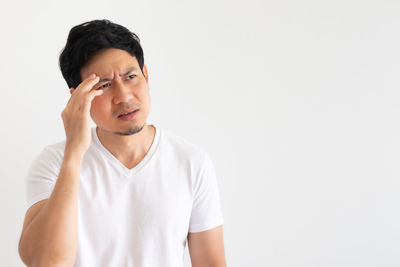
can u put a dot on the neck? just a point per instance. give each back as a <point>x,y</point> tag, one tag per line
<point>131,149</point>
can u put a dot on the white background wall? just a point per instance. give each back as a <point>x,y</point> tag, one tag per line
<point>297,103</point>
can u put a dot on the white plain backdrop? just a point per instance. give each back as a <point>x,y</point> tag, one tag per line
<point>297,103</point>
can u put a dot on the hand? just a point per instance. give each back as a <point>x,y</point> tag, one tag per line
<point>76,115</point>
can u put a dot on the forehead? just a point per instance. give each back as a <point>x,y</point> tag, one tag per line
<point>109,61</point>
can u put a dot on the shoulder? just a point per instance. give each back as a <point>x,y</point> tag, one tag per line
<point>46,164</point>
<point>52,153</point>
<point>182,147</point>
<point>56,149</point>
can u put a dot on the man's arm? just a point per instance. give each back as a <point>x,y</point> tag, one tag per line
<point>49,237</point>
<point>207,248</point>
<point>50,232</point>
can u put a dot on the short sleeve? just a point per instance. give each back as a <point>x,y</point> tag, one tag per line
<point>206,210</point>
<point>42,175</point>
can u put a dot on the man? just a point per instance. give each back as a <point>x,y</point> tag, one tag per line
<point>123,193</point>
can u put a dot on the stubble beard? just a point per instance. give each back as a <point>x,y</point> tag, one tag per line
<point>131,131</point>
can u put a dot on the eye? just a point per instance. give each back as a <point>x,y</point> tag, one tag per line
<point>104,86</point>
<point>131,76</point>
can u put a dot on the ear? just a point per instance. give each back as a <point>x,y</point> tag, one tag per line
<point>71,90</point>
<point>145,73</point>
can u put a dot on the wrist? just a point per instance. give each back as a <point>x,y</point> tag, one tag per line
<point>73,155</point>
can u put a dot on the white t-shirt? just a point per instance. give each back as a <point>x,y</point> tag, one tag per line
<point>135,217</point>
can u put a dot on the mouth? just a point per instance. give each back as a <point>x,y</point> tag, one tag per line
<point>128,115</point>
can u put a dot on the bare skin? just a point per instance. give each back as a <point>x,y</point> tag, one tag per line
<point>125,87</point>
<point>49,236</point>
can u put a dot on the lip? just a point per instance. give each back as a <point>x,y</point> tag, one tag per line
<point>130,116</point>
<point>126,111</point>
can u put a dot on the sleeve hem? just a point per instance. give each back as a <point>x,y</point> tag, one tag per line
<point>36,199</point>
<point>204,227</point>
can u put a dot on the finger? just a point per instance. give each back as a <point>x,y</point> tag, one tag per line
<point>90,96</point>
<point>88,83</point>
<point>90,77</point>
<point>95,93</point>
<point>80,96</point>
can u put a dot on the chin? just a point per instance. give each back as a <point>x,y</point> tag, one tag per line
<point>131,131</point>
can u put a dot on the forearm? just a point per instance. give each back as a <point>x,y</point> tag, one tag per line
<point>51,237</point>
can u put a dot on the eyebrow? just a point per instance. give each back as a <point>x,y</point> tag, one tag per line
<point>106,79</point>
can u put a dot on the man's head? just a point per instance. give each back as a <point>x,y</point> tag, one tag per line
<point>114,54</point>
<point>87,39</point>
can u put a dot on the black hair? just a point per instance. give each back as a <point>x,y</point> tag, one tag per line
<point>87,39</point>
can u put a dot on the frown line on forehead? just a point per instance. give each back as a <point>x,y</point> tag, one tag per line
<point>128,71</point>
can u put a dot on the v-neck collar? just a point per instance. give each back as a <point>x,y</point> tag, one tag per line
<point>117,163</point>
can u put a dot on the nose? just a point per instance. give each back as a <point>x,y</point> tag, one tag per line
<point>122,93</point>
